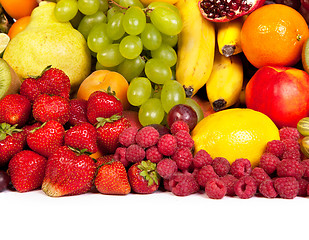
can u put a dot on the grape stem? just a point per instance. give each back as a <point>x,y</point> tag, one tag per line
<point>118,5</point>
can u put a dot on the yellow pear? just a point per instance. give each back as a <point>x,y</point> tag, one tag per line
<point>46,41</point>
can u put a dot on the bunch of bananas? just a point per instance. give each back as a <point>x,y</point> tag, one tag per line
<point>207,55</point>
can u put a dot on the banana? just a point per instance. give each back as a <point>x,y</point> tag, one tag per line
<point>196,47</point>
<point>225,82</point>
<point>228,36</point>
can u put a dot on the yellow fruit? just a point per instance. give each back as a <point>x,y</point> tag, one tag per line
<point>235,133</point>
<point>147,2</point>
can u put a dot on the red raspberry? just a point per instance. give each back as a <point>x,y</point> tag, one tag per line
<point>153,154</point>
<point>147,137</point>
<point>182,184</point>
<point>287,187</point>
<point>269,162</point>
<point>259,175</point>
<point>221,166</point>
<point>183,158</point>
<point>241,167</point>
<point>127,136</point>
<point>201,158</point>
<point>245,187</point>
<point>290,168</point>
<point>303,184</point>
<point>292,154</point>
<point>289,133</point>
<point>291,145</point>
<point>229,181</point>
<point>178,126</point>
<point>120,155</point>
<point>184,139</point>
<point>167,144</point>
<point>215,188</point>
<point>166,168</point>
<point>205,173</point>
<point>275,147</point>
<point>267,189</point>
<point>305,164</point>
<point>135,153</point>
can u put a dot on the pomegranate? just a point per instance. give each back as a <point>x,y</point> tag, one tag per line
<point>227,10</point>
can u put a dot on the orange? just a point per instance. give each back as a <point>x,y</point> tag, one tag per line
<point>19,8</point>
<point>274,35</point>
<point>18,26</point>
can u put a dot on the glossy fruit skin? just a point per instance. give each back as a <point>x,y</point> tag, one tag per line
<point>19,8</point>
<point>18,26</point>
<point>4,180</point>
<point>281,93</point>
<point>182,112</point>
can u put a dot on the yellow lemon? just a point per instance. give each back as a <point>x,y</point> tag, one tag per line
<point>235,133</point>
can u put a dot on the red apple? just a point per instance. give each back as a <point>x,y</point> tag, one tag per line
<point>282,93</point>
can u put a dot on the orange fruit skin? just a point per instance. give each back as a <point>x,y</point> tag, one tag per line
<point>102,79</point>
<point>19,8</point>
<point>274,35</point>
<point>18,26</point>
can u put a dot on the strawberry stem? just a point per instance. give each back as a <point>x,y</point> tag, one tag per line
<point>149,172</point>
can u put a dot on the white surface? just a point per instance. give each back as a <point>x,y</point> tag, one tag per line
<point>34,215</point>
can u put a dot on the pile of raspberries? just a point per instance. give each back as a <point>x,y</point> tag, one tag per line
<point>283,171</point>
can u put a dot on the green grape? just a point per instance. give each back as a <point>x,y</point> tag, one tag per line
<point>151,112</point>
<point>103,5</point>
<point>139,91</point>
<point>151,37</point>
<point>112,11</point>
<point>129,3</point>
<point>110,56</point>
<point>154,5</point>
<point>89,21</point>
<point>166,54</point>
<point>88,7</point>
<point>98,66</point>
<point>131,68</point>
<point>172,94</point>
<point>303,126</point>
<point>97,38</point>
<point>77,19</point>
<point>65,10</point>
<point>157,71</point>
<point>166,20</point>
<point>131,47</point>
<point>170,39</point>
<point>114,26</point>
<point>196,107</point>
<point>134,20</point>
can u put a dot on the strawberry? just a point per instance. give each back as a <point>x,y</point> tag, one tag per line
<point>143,177</point>
<point>77,111</point>
<point>68,173</point>
<point>104,160</point>
<point>112,178</point>
<point>82,136</point>
<point>47,138</point>
<point>30,89</point>
<point>29,127</point>
<point>15,109</point>
<point>12,141</point>
<point>46,107</point>
<point>27,170</point>
<point>108,130</point>
<point>102,104</point>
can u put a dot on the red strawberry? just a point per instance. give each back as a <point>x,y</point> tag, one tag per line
<point>12,141</point>
<point>77,111</point>
<point>102,104</point>
<point>104,160</point>
<point>143,177</point>
<point>28,128</point>
<point>46,107</point>
<point>46,139</point>
<point>15,109</point>
<point>68,173</point>
<point>82,136</point>
<point>30,89</point>
<point>27,170</point>
<point>112,178</point>
<point>108,131</point>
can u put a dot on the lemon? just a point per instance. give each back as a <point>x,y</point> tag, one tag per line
<point>4,41</point>
<point>235,133</point>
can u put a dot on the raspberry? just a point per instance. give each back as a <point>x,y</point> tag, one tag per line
<point>183,184</point>
<point>184,139</point>
<point>303,184</point>
<point>245,187</point>
<point>166,185</point>
<point>127,136</point>
<point>167,144</point>
<point>291,145</point>
<point>120,155</point>
<point>147,137</point>
<point>267,189</point>
<point>135,153</point>
<point>215,188</point>
<point>166,168</point>
<point>287,187</point>
<point>201,158</point>
<point>289,133</point>
<point>269,162</point>
<point>221,166</point>
<point>305,164</point>
<point>153,154</point>
<point>241,167</point>
<point>183,158</point>
<point>259,175</point>
<point>179,126</point>
<point>205,173</point>
<point>229,181</point>
<point>290,168</point>
<point>275,147</point>
<point>293,154</point>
